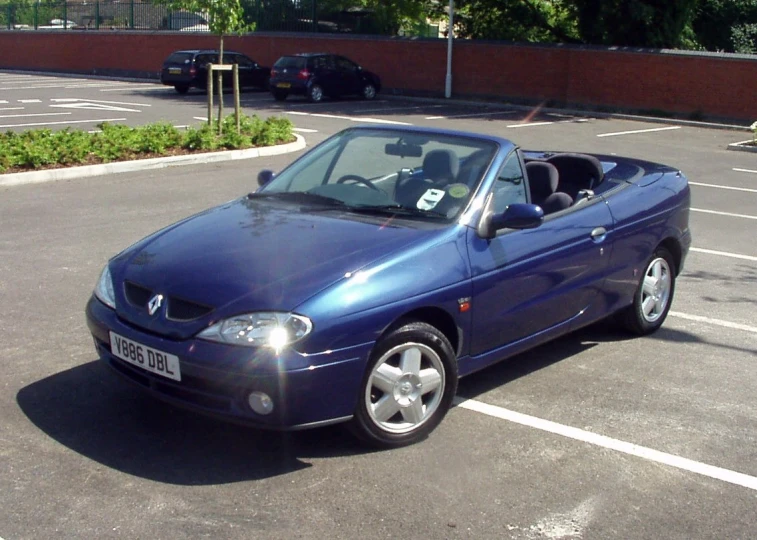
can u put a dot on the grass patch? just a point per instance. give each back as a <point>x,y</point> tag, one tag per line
<point>44,148</point>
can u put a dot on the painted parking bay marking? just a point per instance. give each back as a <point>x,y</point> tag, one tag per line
<point>651,130</point>
<point>718,473</point>
<point>93,104</point>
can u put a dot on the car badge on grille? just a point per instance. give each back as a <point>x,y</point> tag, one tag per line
<point>154,304</point>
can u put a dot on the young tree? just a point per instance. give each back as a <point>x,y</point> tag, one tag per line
<point>225,17</point>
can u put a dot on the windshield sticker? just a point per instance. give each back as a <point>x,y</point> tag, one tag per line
<point>430,199</point>
<point>458,191</point>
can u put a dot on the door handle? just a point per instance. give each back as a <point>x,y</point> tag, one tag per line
<point>599,234</point>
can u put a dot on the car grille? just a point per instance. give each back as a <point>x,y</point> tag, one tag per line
<point>177,309</point>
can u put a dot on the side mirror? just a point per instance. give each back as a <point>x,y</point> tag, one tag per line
<point>517,216</point>
<point>265,176</point>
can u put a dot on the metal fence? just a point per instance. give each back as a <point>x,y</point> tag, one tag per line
<point>325,16</point>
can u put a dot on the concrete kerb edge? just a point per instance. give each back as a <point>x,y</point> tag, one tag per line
<point>743,146</point>
<point>583,113</point>
<point>69,173</point>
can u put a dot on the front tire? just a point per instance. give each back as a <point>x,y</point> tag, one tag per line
<point>408,387</point>
<point>653,297</point>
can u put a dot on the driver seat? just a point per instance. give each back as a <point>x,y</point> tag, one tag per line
<point>440,168</point>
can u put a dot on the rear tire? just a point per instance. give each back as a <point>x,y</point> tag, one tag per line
<point>368,91</point>
<point>315,93</point>
<point>181,88</point>
<point>653,297</point>
<point>278,95</point>
<point>407,389</point>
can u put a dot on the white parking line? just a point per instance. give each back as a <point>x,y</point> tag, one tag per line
<point>723,187</point>
<point>297,113</point>
<point>71,100</point>
<point>305,130</point>
<point>34,114</point>
<point>98,120</point>
<point>652,130</point>
<point>530,124</point>
<point>715,322</point>
<point>710,471</point>
<point>12,108</point>
<point>3,101</point>
<point>30,101</point>
<point>724,254</point>
<point>471,115</point>
<point>727,214</point>
<point>139,86</point>
<point>416,107</point>
<point>744,170</point>
<point>361,119</point>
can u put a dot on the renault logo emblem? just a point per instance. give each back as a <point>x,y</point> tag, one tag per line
<point>154,304</point>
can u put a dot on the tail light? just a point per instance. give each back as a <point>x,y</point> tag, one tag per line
<point>274,73</point>
<point>193,71</point>
<point>303,74</point>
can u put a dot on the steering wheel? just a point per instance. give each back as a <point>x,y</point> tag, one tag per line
<point>358,179</point>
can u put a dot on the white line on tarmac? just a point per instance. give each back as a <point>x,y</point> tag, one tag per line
<point>203,118</point>
<point>471,115</point>
<point>35,114</point>
<point>12,108</point>
<point>723,187</point>
<point>305,130</point>
<point>361,119</point>
<point>715,322</point>
<point>3,101</point>
<point>727,214</point>
<point>724,254</point>
<point>638,131</point>
<point>744,170</point>
<point>140,87</point>
<point>99,120</point>
<point>531,124</point>
<point>403,108</point>
<point>297,113</point>
<point>101,101</point>
<point>30,101</point>
<point>710,471</point>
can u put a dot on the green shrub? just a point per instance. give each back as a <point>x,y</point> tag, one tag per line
<point>46,148</point>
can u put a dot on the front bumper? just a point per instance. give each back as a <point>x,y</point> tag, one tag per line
<point>307,390</point>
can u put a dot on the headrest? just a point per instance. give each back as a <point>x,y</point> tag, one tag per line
<point>542,179</point>
<point>441,165</point>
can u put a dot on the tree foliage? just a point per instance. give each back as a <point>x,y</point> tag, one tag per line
<point>727,25</point>
<point>633,23</point>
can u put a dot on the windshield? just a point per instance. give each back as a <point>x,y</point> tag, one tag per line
<point>415,174</point>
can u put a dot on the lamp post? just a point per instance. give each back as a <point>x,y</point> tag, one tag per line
<point>450,37</point>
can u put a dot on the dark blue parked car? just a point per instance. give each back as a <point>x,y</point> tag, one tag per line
<point>315,75</point>
<point>363,280</point>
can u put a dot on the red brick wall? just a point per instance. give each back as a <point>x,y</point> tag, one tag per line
<point>713,85</point>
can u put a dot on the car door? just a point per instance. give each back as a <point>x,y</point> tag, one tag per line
<point>530,281</point>
<point>246,70</point>
<point>349,75</point>
<point>327,75</point>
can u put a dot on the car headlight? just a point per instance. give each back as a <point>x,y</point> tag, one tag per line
<point>272,329</point>
<point>104,289</point>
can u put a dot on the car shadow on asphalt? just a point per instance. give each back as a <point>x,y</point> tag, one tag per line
<point>90,411</point>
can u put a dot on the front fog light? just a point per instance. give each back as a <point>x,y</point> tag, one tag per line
<point>260,402</point>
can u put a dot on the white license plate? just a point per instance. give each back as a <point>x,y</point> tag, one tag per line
<point>174,71</point>
<point>152,360</point>
<point>283,85</point>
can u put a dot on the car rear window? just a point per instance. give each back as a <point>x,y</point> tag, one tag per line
<point>288,62</point>
<point>179,58</point>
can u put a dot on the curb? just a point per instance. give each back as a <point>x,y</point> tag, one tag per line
<point>743,146</point>
<point>51,175</point>
<point>584,113</point>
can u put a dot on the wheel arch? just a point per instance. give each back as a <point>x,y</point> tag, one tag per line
<point>674,247</point>
<point>433,316</point>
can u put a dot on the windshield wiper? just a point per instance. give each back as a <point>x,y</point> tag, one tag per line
<point>297,197</point>
<point>396,209</point>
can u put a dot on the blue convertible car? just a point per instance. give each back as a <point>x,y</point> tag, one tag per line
<point>359,283</point>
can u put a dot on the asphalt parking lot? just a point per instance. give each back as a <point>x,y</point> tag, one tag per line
<point>595,435</point>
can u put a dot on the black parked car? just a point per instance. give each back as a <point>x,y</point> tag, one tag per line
<point>187,69</point>
<point>316,74</point>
